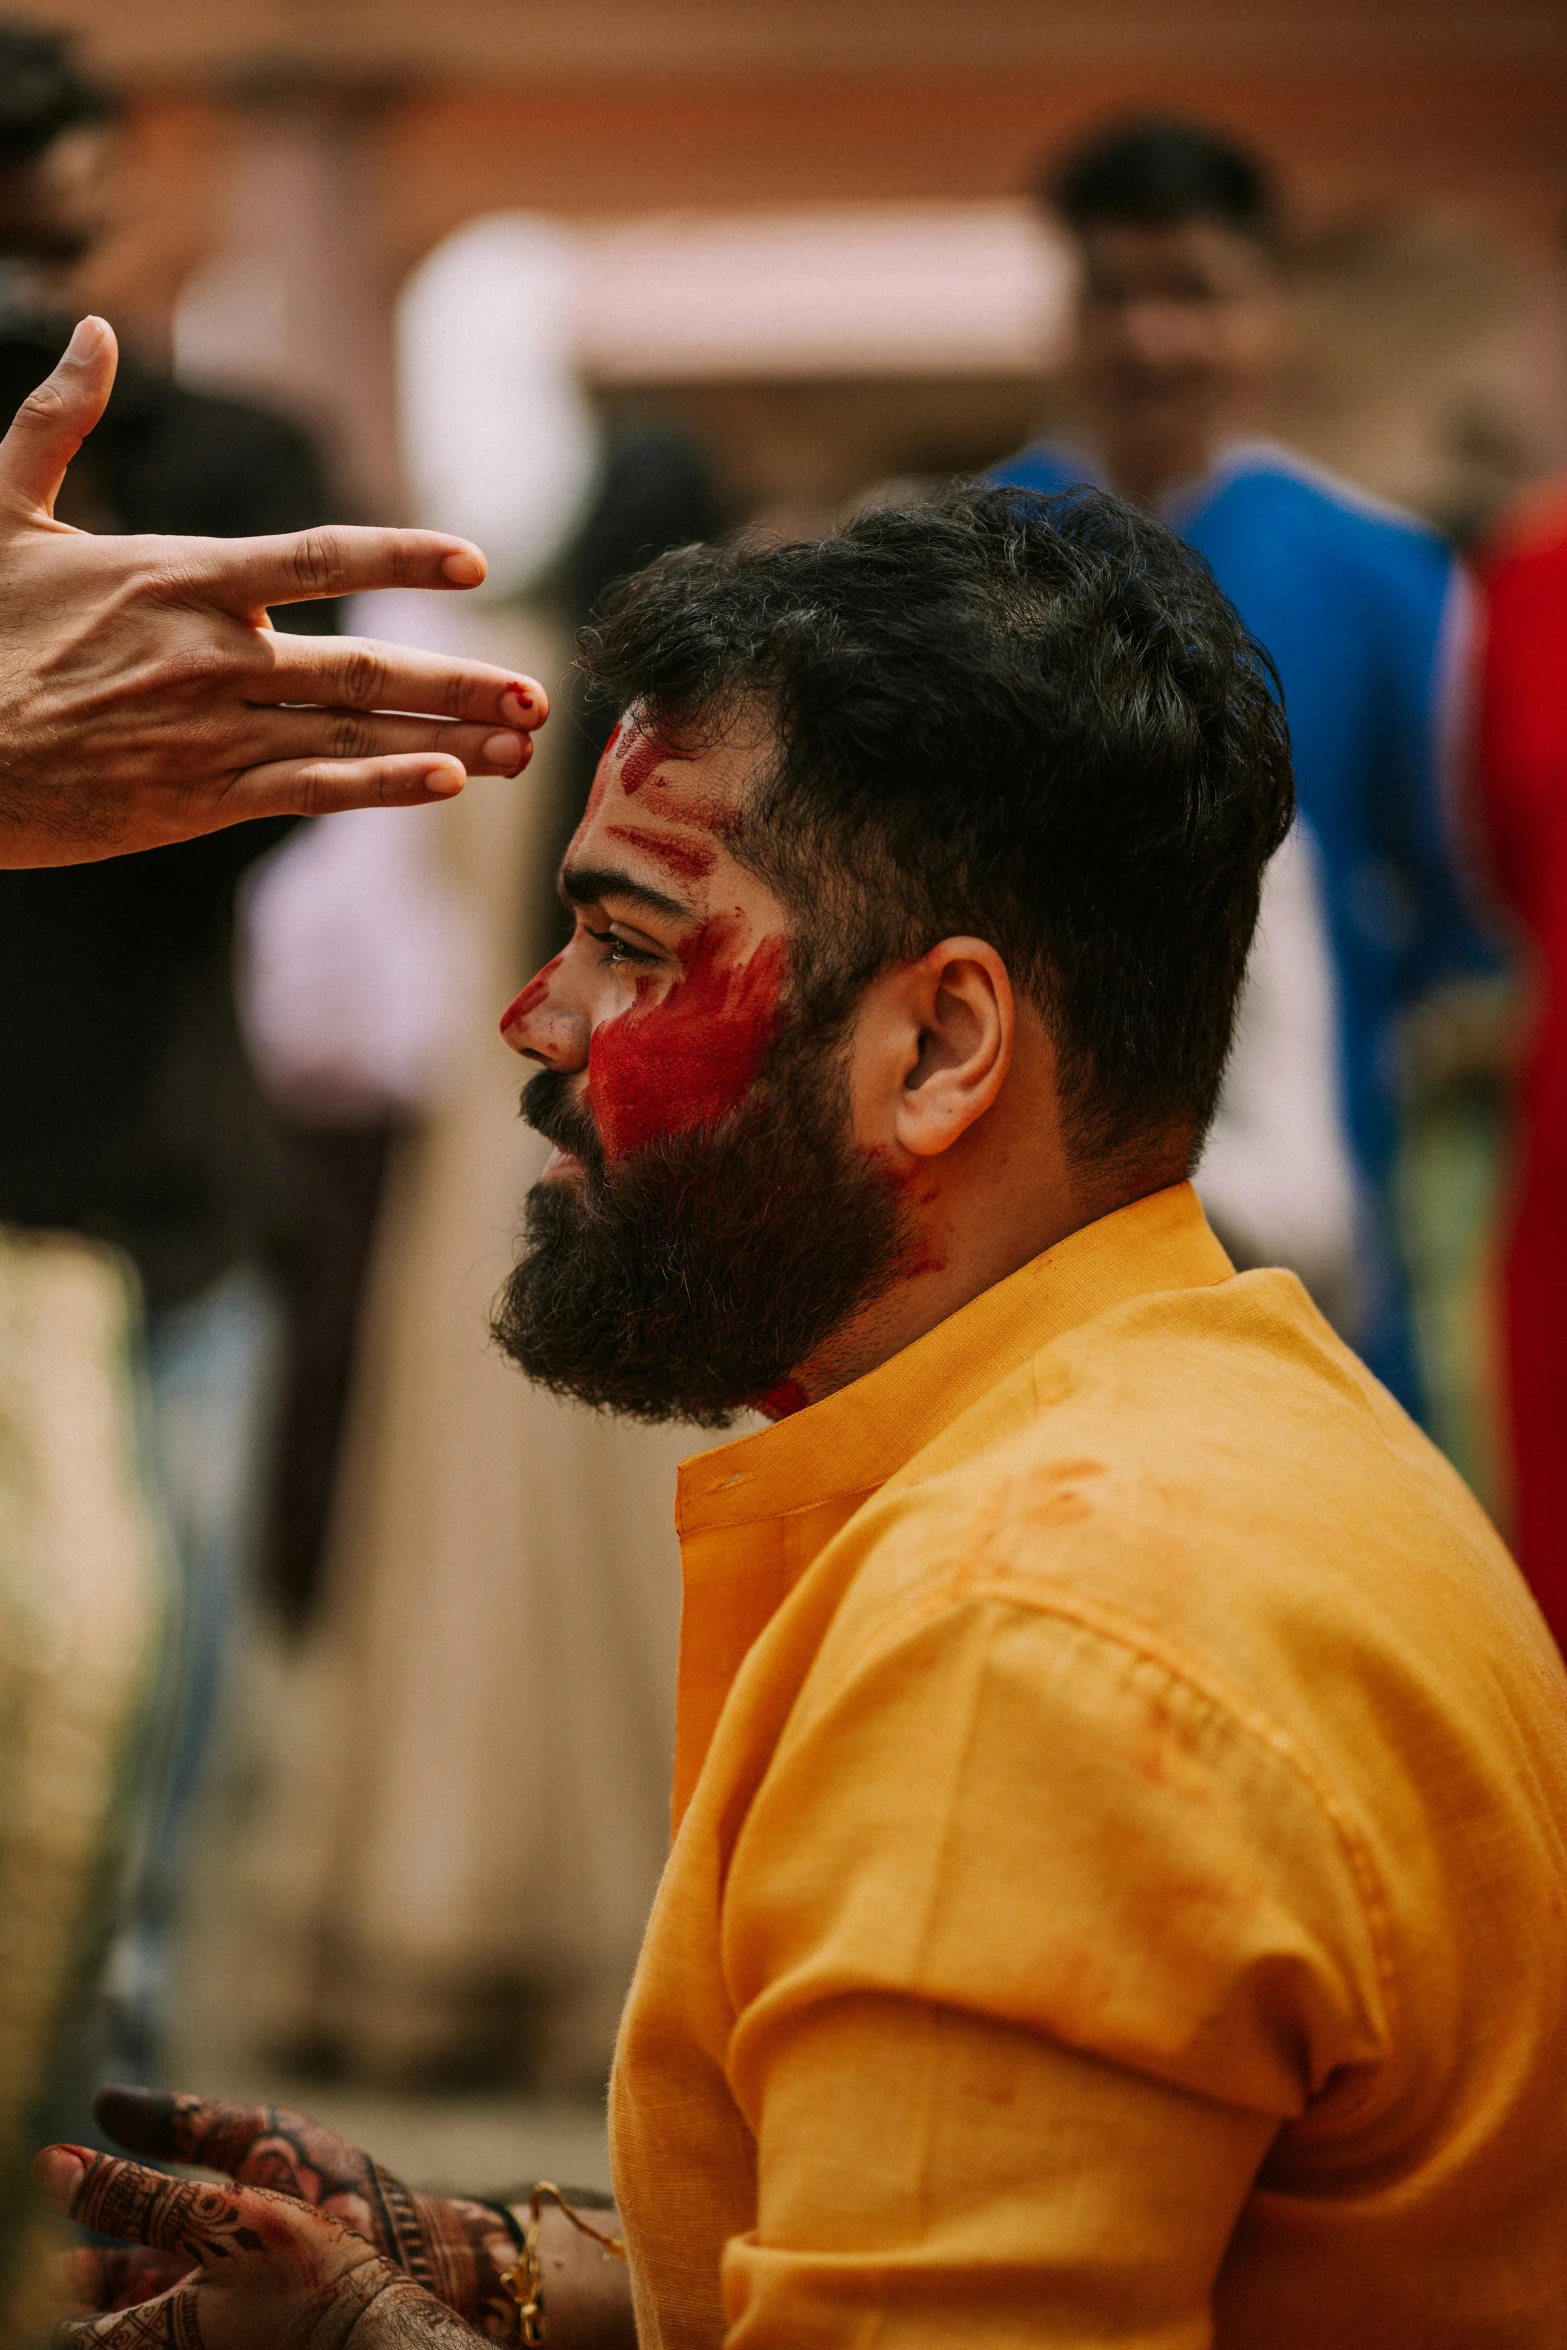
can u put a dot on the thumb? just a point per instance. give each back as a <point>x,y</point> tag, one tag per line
<point>52,422</point>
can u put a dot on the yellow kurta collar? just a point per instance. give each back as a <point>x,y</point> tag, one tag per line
<point>854,1440</point>
<point>754,1513</point>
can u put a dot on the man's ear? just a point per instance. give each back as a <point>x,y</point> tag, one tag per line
<point>937,1045</point>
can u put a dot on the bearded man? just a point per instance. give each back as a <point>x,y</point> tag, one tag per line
<point>1117,1761</point>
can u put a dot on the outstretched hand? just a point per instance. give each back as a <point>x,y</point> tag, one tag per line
<point>145,698</point>
<point>456,2250</point>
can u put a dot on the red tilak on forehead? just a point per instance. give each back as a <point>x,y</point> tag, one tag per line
<point>682,1060</point>
<point>693,860</point>
<point>642,753</point>
<point>647,752</point>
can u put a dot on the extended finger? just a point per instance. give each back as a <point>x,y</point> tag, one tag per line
<point>178,2127</point>
<point>53,421</point>
<point>326,787</point>
<point>356,734</point>
<point>358,673</point>
<point>142,2206</point>
<point>173,2126</point>
<point>338,559</point>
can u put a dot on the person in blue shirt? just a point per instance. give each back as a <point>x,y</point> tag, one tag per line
<point>1361,607</point>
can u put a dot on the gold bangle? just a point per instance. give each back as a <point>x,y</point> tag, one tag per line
<point>525,2282</point>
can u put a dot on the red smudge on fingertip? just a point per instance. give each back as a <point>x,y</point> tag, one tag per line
<point>534,993</point>
<point>788,1396</point>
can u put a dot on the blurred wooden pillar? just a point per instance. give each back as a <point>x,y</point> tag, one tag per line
<point>293,303</point>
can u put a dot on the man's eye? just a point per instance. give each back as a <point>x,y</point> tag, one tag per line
<point>617,949</point>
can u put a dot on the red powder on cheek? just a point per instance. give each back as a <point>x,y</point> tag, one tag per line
<point>692,860</point>
<point>666,1065</point>
<point>535,992</point>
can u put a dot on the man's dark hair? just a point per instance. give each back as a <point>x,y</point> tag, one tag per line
<point>1033,720</point>
<point>1154,174</point>
<point>42,92</point>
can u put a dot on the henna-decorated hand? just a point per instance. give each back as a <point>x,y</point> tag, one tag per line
<point>457,2250</point>
<point>259,2270</point>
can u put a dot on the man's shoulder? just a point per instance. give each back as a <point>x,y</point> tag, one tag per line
<point>1212,1470</point>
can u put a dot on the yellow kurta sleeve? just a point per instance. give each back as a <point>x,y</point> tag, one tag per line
<point>1033,1940</point>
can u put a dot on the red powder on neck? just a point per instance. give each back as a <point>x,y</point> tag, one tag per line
<point>665,1065</point>
<point>788,1396</point>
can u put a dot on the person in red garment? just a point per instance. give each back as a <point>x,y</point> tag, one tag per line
<point>1523,777</point>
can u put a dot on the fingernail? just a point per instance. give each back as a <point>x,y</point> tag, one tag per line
<point>60,2170</point>
<point>505,751</point>
<point>86,336</point>
<point>445,781</point>
<point>516,702</point>
<point>465,570</point>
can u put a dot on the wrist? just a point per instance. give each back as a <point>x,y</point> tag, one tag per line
<point>571,2283</point>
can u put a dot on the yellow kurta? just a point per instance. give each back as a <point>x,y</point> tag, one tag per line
<point>1120,1884</point>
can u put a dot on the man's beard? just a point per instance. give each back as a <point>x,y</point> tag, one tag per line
<point>691,1277</point>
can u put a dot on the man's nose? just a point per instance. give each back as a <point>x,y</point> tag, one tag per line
<point>545,1024</point>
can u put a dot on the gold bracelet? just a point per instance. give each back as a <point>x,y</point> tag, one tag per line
<point>525,2282</point>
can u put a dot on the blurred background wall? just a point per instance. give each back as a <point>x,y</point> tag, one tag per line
<point>289,164</point>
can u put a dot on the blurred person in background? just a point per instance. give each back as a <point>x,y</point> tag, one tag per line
<point>142,703</point>
<point>1523,805</point>
<point>132,1116</point>
<point>1363,610</point>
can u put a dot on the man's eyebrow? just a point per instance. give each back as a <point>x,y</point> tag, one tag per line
<point>589,885</point>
